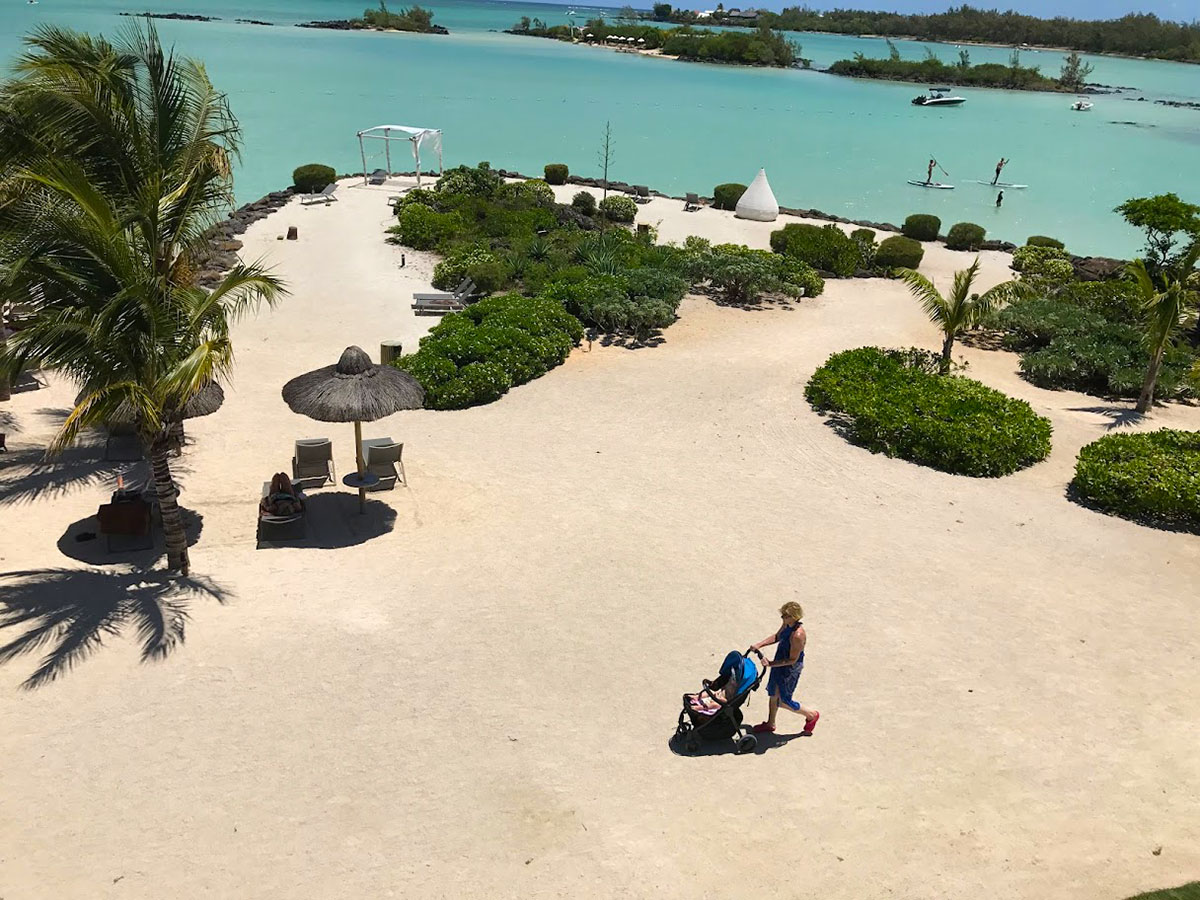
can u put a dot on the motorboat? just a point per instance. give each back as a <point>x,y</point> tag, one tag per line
<point>1081,105</point>
<point>938,97</point>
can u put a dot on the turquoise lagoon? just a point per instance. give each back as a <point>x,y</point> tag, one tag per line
<point>843,146</point>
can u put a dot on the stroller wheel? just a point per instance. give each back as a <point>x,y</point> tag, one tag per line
<point>747,744</point>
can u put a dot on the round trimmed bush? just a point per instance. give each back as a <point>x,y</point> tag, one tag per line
<point>965,236</point>
<point>421,228</point>
<point>1153,476</point>
<point>863,236</point>
<point>892,402</point>
<point>899,252</point>
<point>532,190</point>
<point>585,203</point>
<point>829,248</point>
<point>313,177</point>
<point>618,209</point>
<point>556,173</point>
<point>921,227</point>
<point>726,196</point>
<point>1040,240</point>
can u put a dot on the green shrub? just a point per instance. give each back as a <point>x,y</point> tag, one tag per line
<point>965,236</point>
<point>865,238</point>
<point>585,203</point>
<point>899,252</point>
<point>921,227</point>
<point>1153,476</point>
<point>489,275</point>
<point>639,302</point>
<point>826,248</point>
<point>421,196</point>
<point>618,209</point>
<point>1109,360</point>
<point>448,273</point>
<point>312,178</point>
<point>726,196</point>
<point>1047,263</point>
<point>1116,301</point>
<point>802,276</point>
<point>1033,323</point>
<point>421,228</point>
<point>531,191</point>
<point>890,402</point>
<point>475,356</point>
<point>556,173</point>
<point>475,181</point>
<point>1040,240</point>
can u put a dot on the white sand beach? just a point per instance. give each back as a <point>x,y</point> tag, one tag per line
<point>468,692</point>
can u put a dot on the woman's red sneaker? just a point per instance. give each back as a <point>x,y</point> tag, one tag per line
<point>810,724</point>
<point>763,727</point>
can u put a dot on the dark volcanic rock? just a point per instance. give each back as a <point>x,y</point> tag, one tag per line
<point>568,215</point>
<point>1097,268</point>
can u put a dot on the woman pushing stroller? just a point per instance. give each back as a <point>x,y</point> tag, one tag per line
<point>786,668</point>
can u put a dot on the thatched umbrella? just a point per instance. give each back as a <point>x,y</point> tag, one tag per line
<point>355,390</point>
<point>204,402</point>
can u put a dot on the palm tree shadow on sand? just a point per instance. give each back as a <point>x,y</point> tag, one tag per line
<point>68,613</point>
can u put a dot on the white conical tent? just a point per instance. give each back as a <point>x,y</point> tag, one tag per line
<point>758,203</point>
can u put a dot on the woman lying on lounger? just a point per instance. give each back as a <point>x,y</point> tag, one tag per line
<point>282,499</point>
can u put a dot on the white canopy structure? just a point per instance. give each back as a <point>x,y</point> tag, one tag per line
<point>758,202</point>
<point>427,139</point>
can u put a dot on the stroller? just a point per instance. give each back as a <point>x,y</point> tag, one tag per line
<point>726,721</point>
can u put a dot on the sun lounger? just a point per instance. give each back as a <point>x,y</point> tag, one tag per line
<point>642,193</point>
<point>379,176</point>
<point>128,519</point>
<point>323,196</point>
<point>691,203</point>
<point>313,462</point>
<point>384,458</point>
<point>276,528</point>
<point>442,303</point>
<point>122,443</point>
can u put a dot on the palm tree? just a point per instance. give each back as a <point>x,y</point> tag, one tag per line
<point>961,310</point>
<point>116,160</point>
<point>1163,313</point>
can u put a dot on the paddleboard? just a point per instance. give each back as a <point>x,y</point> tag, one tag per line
<point>1004,184</point>
<point>935,185</point>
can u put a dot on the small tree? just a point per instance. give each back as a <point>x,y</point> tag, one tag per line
<point>662,12</point>
<point>1075,72</point>
<point>628,15</point>
<point>964,59</point>
<point>960,310</point>
<point>1164,313</point>
<point>605,155</point>
<point>1166,220</point>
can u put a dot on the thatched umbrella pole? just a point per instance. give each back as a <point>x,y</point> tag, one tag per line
<point>355,390</point>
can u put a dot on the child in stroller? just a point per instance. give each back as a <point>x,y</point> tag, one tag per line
<point>715,712</point>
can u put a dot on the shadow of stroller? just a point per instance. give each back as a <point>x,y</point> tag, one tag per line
<point>729,748</point>
<point>69,613</point>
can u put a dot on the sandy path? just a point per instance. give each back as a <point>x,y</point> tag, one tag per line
<point>1008,681</point>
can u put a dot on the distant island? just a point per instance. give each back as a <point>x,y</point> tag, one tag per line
<point>414,19</point>
<point>1137,34</point>
<point>762,47</point>
<point>931,70</point>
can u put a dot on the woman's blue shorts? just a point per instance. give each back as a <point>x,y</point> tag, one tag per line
<point>782,684</point>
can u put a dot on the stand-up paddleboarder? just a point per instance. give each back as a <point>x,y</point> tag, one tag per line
<point>999,168</point>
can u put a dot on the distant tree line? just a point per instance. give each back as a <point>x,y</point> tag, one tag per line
<point>761,47</point>
<point>932,70</point>
<point>1137,34</point>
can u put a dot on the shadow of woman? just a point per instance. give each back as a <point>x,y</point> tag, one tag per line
<point>69,612</point>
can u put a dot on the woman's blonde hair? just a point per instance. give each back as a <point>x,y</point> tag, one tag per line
<point>793,609</point>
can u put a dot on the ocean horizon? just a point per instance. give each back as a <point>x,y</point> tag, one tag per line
<point>842,146</point>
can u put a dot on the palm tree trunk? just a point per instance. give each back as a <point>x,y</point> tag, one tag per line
<point>5,384</point>
<point>172,521</point>
<point>1146,400</point>
<point>177,437</point>
<point>947,346</point>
